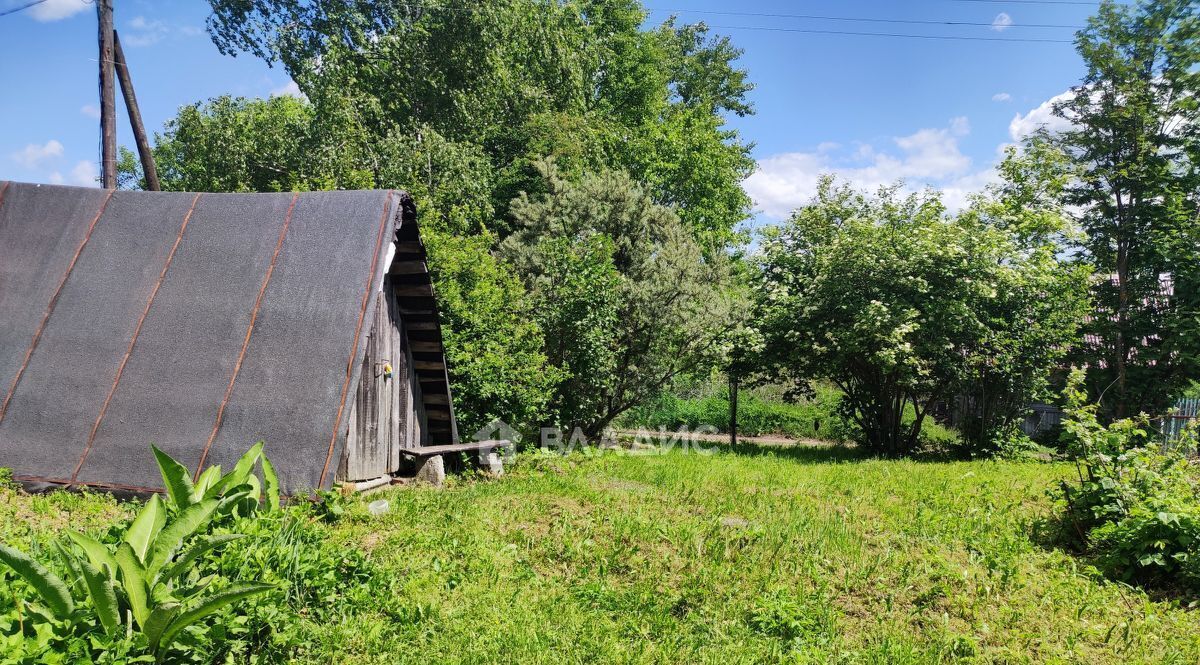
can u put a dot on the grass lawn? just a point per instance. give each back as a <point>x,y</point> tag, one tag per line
<point>761,555</point>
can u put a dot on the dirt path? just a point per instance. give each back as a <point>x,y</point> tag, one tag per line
<point>724,438</point>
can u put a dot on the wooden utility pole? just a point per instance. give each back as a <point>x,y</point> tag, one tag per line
<point>135,116</point>
<point>733,407</point>
<point>108,103</point>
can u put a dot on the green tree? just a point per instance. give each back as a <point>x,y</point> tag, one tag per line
<point>902,306</point>
<point>129,170</point>
<point>1133,143</point>
<point>519,80</point>
<point>1036,313</point>
<point>622,290</point>
<point>234,144</point>
<point>493,341</point>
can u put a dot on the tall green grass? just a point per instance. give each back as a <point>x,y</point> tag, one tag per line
<point>762,412</point>
<point>753,555</point>
<point>757,415</point>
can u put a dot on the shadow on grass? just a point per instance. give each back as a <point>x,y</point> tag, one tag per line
<point>833,453</point>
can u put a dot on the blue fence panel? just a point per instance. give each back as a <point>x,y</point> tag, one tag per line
<point>1185,413</point>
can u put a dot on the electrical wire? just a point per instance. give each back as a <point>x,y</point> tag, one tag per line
<point>816,17</point>
<point>961,38</point>
<point>1084,3</point>
<point>816,31</point>
<point>22,8</point>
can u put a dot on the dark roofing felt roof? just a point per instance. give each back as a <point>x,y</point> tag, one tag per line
<point>199,322</point>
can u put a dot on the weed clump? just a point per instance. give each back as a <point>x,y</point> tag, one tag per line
<point>1134,505</point>
<point>217,571</point>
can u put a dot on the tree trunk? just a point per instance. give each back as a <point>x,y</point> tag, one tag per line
<point>733,408</point>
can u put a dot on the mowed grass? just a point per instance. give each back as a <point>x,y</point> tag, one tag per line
<point>758,555</point>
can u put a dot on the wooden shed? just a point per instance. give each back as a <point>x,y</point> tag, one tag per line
<point>205,322</point>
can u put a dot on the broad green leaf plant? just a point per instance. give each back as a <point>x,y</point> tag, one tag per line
<point>142,588</point>
<point>238,492</point>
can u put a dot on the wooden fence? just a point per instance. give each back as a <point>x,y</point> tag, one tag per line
<point>1043,417</point>
<point>1172,425</point>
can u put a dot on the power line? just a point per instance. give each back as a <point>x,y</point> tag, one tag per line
<point>816,17</point>
<point>22,8</point>
<point>1091,3</point>
<point>1084,3</point>
<point>816,31</point>
<point>34,3</point>
<point>961,38</point>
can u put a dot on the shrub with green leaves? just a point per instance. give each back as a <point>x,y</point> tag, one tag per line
<point>138,595</point>
<point>6,478</point>
<point>135,598</point>
<point>315,583</point>
<point>1135,507</point>
<point>903,306</point>
<point>622,290</point>
<point>765,411</point>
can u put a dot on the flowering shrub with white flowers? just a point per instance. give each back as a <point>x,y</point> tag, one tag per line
<point>903,305</point>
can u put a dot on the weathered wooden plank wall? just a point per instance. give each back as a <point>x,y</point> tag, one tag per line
<point>385,414</point>
<point>388,412</point>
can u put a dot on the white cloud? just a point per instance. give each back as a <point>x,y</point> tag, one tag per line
<point>55,10</point>
<point>289,89</point>
<point>85,174</point>
<point>928,157</point>
<point>144,32</point>
<point>1002,22</point>
<point>1001,97</point>
<point>956,193</point>
<point>1042,116</point>
<point>90,110</point>
<point>33,155</point>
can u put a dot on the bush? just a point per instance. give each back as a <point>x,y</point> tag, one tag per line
<point>215,572</point>
<point>6,479</point>
<point>493,345</point>
<point>1135,507</point>
<point>315,582</point>
<point>765,411</point>
<point>981,440</point>
<point>903,305</point>
<point>758,414</point>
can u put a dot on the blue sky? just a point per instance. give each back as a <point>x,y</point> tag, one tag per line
<point>872,109</point>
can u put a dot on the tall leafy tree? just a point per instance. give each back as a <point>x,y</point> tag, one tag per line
<point>622,290</point>
<point>1133,143</point>
<point>519,80</point>
<point>233,144</point>
<point>1040,302</point>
